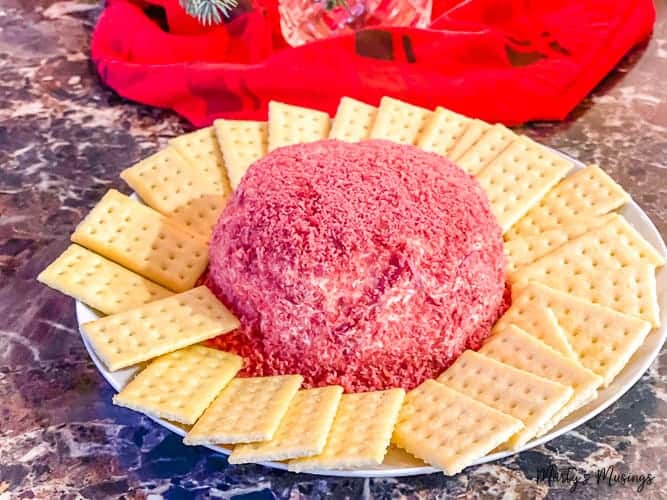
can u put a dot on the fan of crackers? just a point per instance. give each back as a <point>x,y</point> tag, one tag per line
<point>583,287</point>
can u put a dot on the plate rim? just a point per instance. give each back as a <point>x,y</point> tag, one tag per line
<point>83,313</point>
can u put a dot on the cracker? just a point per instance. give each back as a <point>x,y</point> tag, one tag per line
<point>200,148</point>
<point>473,131</point>
<point>442,131</point>
<point>541,323</point>
<point>163,326</point>
<point>631,290</point>
<point>516,348</point>
<point>98,282</point>
<point>611,265</point>
<point>180,385</point>
<point>523,250</point>
<point>533,400</point>
<point>448,429</point>
<point>360,434</point>
<point>492,142</point>
<point>572,226</point>
<point>247,410</point>
<point>353,120</point>
<point>182,191</point>
<point>615,245</point>
<point>144,241</point>
<point>587,192</point>
<point>293,124</point>
<point>519,177</point>
<point>302,431</point>
<point>399,121</point>
<point>242,143</point>
<point>603,339</point>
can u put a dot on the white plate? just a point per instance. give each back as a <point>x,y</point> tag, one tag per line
<point>399,463</point>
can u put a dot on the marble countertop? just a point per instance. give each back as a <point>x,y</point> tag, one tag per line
<point>63,140</point>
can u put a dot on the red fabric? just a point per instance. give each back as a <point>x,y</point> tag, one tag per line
<point>508,61</point>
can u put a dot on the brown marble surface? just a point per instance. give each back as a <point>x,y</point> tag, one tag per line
<point>63,140</point>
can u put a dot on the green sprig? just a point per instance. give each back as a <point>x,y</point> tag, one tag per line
<point>332,4</point>
<point>209,12</point>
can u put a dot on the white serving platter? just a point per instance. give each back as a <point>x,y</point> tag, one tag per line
<point>398,463</point>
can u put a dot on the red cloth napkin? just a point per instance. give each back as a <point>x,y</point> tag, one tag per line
<point>506,61</point>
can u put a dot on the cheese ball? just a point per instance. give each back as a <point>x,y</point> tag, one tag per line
<point>369,265</point>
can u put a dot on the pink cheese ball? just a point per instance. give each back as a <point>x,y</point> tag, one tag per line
<point>369,265</point>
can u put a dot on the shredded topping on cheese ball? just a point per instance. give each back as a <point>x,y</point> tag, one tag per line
<point>369,265</point>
